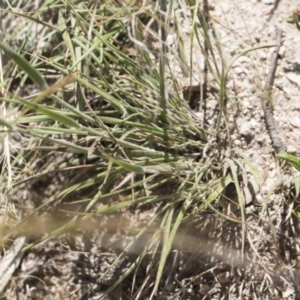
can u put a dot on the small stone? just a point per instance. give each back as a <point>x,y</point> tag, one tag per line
<point>294,78</point>
<point>204,289</point>
<point>246,130</point>
<point>296,39</point>
<point>212,104</point>
<point>296,105</point>
<point>289,292</point>
<point>262,56</point>
<point>199,115</point>
<point>284,120</point>
<point>237,143</point>
<point>295,122</point>
<point>291,149</point>
<point>260,139</point>
<point>253,123</point>
<point>268,2</point>
<point>239,70</point>
<point>247,105</point>
<point>250,191</point>
<point>258,198</point>
<point>190,291</point>
<point>257,130</point>
<point>282,51</point>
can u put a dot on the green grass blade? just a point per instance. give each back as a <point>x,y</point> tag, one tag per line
<point>123,164</point>
<point>25,66</point>
<point>51,113</point>
<point>241,201</point>
<point>293,160</point>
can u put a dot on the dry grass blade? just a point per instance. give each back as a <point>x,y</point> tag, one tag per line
<point>10,262</point>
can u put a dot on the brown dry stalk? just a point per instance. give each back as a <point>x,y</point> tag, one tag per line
<point>266,99</point>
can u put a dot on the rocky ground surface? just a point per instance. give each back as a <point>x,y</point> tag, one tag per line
<point>210,265</point>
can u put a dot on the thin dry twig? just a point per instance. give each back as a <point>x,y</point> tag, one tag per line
<point>266,99</point>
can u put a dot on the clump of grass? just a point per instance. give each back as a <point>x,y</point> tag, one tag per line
<point>106,114</point>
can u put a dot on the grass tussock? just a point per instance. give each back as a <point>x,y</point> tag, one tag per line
<point>94,123</point>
